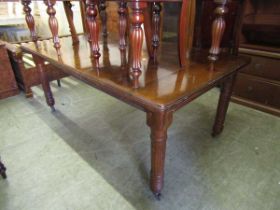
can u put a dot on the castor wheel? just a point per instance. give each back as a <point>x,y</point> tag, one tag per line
<point>52,109</point>
<point>157,196</point>
<point>4,175</point>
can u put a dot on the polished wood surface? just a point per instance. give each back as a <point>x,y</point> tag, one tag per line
<point>162,86</point>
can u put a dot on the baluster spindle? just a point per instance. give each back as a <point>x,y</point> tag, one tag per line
<point>218,29</point>
<point>93,27</point>
<point>122,24</point>
<point>155,27</point>
<point>53,23</point>
<point>103,16</point>
<point>137,40</point>
<point>29,19</point>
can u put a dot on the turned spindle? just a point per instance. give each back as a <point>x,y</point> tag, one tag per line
<point>29,19</point>
<point>69,14</point>
<point>155,26</point>
<point>93,27</point>
<point>218,29</point>
<point>103,16</point>
<point>122,24</point>
<point>53,24</point>
<point>137,40</point>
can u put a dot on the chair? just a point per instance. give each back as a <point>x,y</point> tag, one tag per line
<point>25,71</point>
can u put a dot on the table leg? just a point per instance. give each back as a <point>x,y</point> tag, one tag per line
<point>53,23</point>
<point>3,170</point>
<point>137,39</point>
<point>226,91</point>
<point>69,14</point>
<point>155,27</point>
<point>29,19</point>
<point>93,27</point>
<point>159,123</point>
<point>44,81</point>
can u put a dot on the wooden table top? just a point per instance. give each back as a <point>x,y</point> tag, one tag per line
<point>164,86</point>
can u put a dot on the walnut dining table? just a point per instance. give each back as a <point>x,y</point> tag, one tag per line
<point>158,88</point>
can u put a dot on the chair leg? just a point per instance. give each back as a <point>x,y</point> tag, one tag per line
<point>103,17</point>
<point>58,83</point>
<point>148,29</point>
<point>69,15</point>
<point>44,81</point>
<point>226,91</point>
<point>156,9</point>
<point>28,92</point>
<point>182,33</point>
<point>3,170</point>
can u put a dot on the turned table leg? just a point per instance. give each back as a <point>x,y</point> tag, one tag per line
<point>3,170</point>
<point>155,27</point>
<point>218,29</point>
<point>29,19</point>
<point>44,81</point>
<point>226,91</point>
<point>93,28</point>
<point>53,23</point>
<point>159,123</point>
<point>69,14</point>
<point>137,39</point>
<point>103,16</point>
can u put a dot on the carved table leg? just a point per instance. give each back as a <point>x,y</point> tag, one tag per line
<point>93,27</point>
<point>122,24</point>
<point>53,23</point>
<point>44,81</point>
<point>218,29</point>
<point>159,123</point>
<point>29,19</point>
<point>103,16</point>
<point>3,170</point>
<point>69,14</point>
<point>155,27</point>
<point>137,40</point>
<point>226,91</point>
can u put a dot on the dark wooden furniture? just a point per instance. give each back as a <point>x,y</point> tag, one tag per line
<point>157,88</point>
<point>3,170</point>
<point>8,85</point>
<point>258,85</point>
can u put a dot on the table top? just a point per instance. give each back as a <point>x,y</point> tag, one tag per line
<point>164,86</point>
